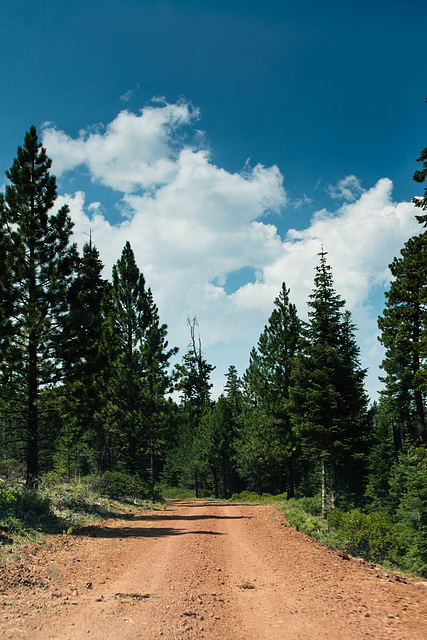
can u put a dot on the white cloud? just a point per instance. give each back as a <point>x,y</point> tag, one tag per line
<point>349,188</point>
<point>297,203</point>
<point>129,94</point>
<point>133,152</point>
<point>192,223</point>
<point>361,239</point>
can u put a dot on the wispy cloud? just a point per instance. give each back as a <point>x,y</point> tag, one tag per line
<point>349,188</point>
<point>128,95</point>
<point>297,203</point>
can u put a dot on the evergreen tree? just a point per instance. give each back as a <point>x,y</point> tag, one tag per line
<point>277,347</point>
<point>220,422</point>
<point>420,177</point>
<point>193,374</point>
<point>156,357</point>
<point>233,390</point>
<point>329,403</point>
<point>193,382</point>
<point>408,496</point>
<point>382,456</point>
<point>87,355</point>
<point>129,318</point>
<point>269,379</point>
<point>7,293</point>
<point>39,263</point>
<point>403,334</point>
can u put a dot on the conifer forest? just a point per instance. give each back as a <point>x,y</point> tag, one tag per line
<point>88,385</point>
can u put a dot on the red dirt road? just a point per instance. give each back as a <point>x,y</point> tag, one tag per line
<point>203,570</point>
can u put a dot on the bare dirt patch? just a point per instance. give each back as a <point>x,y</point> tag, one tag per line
<point>203,570</point>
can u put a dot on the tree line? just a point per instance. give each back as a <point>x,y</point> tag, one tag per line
<point>86,379</point>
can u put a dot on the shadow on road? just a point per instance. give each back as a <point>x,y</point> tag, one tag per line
<point>160,515</point>
<point>157,517</point>
<point>137,532</point>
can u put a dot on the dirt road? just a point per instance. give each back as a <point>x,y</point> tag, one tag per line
<point>203,570</point>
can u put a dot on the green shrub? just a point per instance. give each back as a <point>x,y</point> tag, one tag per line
<point>373,536</point>
<point>297,517</point>
<point>7,500</point>
<point>52,478</point>
<point>409,485</point>
<point>118,484</point>
<point>177,493</point>
<point>31,504</point>
<point>246,496</point>
<point>312,505</point>
<point>12,469</point>
<point>249,496</point>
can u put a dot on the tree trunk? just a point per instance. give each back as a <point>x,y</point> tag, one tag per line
<point>259,482</point>
<point>290,490</point>
<point>333,498</point>
<point>420,416</point>
<point>225,480</point>
<point>32,426</point>
<point>102,446</point>
<point>398,433</point>
<point>323,488</point>
<point>197,483</point>
<point>215,477</point>
<point>152,457</point>
<point>152,436</point>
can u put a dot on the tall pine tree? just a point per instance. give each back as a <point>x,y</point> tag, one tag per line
<point>156,357</point>
<point>404,334</point>
<point>329,402</point>
<point>420,176</point>
<point>129,319</point>
<point>193,382</point>
<point>87,356</point>
<point>39,262</point>
<point>268,381</point>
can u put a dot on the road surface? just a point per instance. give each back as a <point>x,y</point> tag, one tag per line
<point>203,570</point>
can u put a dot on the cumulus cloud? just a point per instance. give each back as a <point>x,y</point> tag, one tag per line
<point>133,152</point>
<point>191,224</point>
<point>361,239</point>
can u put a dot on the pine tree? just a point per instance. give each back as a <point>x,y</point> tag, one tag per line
<point>269,379</point>
<point>220,422</point>
<point>382,455</point>
<point>404,334</point>
<point>39,263</point>
<point>7,293</point>
<point>129,318</point>
<point>193,382</point>
<point>156,357</point>
<point>87,355</point>
<point>329,403</point>
<point>420,177</point>
<point>194,374</point>
<point>277,347</point>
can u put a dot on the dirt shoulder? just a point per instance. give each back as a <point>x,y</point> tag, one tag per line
<point>203,570</point>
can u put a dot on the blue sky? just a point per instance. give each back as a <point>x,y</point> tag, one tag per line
<point>227,141</point>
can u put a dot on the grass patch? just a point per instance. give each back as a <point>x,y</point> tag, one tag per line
<point>249,496</point>
<point>177,493</point>
<point>61,506</point>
